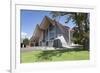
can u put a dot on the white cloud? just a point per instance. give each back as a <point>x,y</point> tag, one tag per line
<point>23,35</point>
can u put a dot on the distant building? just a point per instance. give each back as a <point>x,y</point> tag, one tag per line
<point>51,33</point>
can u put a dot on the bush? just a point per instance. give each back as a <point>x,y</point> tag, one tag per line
<point>25,42</point>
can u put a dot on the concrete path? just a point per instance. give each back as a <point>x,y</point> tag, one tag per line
<point>40,48</point>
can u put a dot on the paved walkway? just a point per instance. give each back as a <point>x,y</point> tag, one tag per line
<point>40,48</point>
<point>48,48</point>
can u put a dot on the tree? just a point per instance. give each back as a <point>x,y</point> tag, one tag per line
<point>26,41</point>
<point>81,34</point>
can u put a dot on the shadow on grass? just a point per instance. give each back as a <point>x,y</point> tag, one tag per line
<point>48,54</point>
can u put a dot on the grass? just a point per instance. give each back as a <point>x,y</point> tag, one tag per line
<point>53,55</point>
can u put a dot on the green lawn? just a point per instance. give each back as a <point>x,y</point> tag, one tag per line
<point>54,55</point>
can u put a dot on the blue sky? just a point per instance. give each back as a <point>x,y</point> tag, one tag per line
<point>30,18</point>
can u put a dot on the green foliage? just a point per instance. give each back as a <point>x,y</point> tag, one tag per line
<point>81,33</point>
<point>26,41</point>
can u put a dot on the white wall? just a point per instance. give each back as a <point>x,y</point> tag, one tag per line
<point>5,37</point>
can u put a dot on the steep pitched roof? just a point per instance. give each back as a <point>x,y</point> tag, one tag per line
<point>44,25</point>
